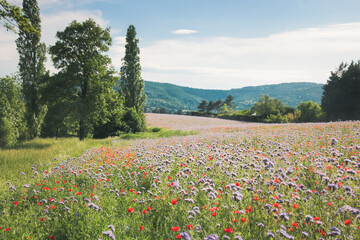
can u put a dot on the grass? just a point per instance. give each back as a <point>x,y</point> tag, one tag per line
<point>43,152</point>
<point>153,133</point>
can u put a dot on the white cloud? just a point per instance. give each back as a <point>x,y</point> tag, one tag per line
<point>221,62</point>
<point>184,31</point>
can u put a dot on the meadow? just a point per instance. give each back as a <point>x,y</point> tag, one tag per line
<point>231,181</point>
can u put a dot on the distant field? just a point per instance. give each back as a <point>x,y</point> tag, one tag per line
<point>182,122</point>
<point>231,181</point>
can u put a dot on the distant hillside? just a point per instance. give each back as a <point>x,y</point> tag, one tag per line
<point>174,97</point>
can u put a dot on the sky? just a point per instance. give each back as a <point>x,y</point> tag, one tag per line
<point>213,44</point>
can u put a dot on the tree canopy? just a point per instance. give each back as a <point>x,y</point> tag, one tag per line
<point>132,85</point>
<point>13,17</point>
<point>85,72</point>
<point>31,68</point>
<point>12,127</point>
<point>341,96</point>
<point>267,106</point>
<point>310,112</point>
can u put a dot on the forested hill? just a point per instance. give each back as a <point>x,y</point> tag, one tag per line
<point>174,97</point>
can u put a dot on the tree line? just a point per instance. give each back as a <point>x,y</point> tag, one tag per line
<point>340,101</point>
<point>79,100</point>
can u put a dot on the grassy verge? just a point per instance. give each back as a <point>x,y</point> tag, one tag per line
<point>19,159</point>
<point>153,133</point>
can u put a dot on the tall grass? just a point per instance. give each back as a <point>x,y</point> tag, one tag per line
<point>19,159</point>
<point>14,161</point>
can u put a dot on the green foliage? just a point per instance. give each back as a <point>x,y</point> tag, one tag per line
<point>229,101</point>
<point>132,85</point>
<point>132,122</point>
<point>32,69</point>
<point>278,118</point>
<point>310,112</point>
<point>85,75</point>
<point>341,96</point>
<point>153,134</point>
<point>12,109</point>
<point>14,18</point>
<point>114,124</point>
<point>203,106</point>
<point>267,106</point>
<point>224,109</point>
<point>173,97</point>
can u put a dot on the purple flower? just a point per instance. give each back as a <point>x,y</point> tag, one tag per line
<point>185,236</point>
<point>212,237</point>
<point>109,234</point>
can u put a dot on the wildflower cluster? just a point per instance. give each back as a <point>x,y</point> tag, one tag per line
<point>297,181</point>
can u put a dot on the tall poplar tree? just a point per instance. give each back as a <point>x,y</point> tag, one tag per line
<point>131,84</point>
<point>31,68</point>
<point>13,17</point>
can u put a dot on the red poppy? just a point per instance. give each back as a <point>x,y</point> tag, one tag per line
<point>243,219</point>
<point>145,212</point>
<point>213,214</point>
<point>228,230</point>
<point>316,218</point>
<point>141,228</point>
<point>347,222</point>
<point>173,201</point>
<point>178,236</point>
<point>296,206</point>
<point>16,203</point>
<point>130,210</point>
<point>42,219</point>
<point>190,227</point>
<point>175,229</point>
<point>148,208</point>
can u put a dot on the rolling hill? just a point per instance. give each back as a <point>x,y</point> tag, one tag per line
<point>174,97</point>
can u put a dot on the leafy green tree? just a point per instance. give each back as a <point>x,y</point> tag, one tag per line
<point>341,96</point>
<point>12,110</point>
<point>310,112</point>
<point>203,106</point>
<point>31,68</point>
<point>115,124</point>
<point>58,94</point>
<point>131,84</point>
<point>230,103</point>
<point>224,109</point>
<point>85,72</point>
<point>13,17</point>
<point>267,106</point>
<point>217,105</point>
<point>210,107</point>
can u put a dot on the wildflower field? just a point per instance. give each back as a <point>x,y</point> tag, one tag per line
<point>247,181</point>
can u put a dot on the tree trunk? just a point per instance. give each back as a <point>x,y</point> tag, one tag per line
<point>82,130</point>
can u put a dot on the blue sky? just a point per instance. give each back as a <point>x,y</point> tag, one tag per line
<point>215,44</point>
